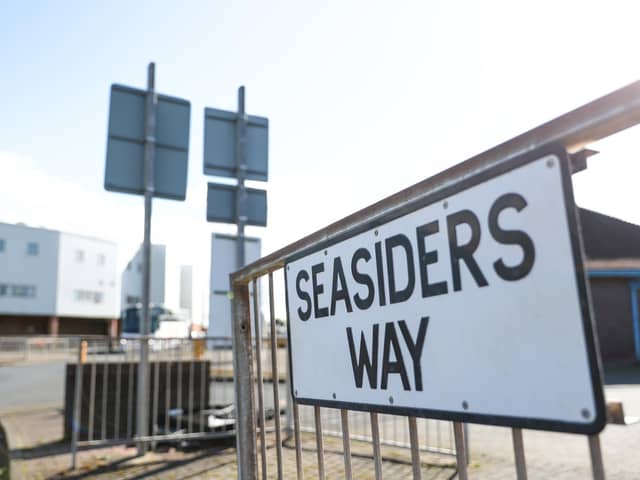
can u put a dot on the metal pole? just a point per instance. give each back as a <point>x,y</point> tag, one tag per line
<point>346,443</point>
<point>461,454</point>
<point>243,378</point>
<point>261,417</point>
<point>518,450</point>
<point>597,466</point>
<point>319,442</point>
<point>142,417</point>
<point>375,442</point>
<point>241,170</point>
<point>415,448</point>
<point>275,377</point>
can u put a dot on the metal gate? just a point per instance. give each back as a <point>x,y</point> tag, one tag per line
<point>594,121</point>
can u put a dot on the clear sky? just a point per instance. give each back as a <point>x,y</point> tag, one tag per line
<point>363,99</point>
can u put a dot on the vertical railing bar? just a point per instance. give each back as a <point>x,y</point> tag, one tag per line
<point>179,390</point>
<point>156,399</point>
<point>461,454</point>
<point>77,408</point>
<point>103,419</point>
<point>191,393</point>
<point>130,402</point>
<point>92,399</point>
<point>203,381</point>
<point>466,441</point>
<point>319,442</point>
<point>116,430</point>
<point>415,448</point>
<point>375,443</point>
<point>518,450</point>
<point>261,419</point>
<point>346,443</point>
<point>298,441</point>
<point>288,397</point>
<point>275,377</point>
<point>167,393</point>
<point>597,466</point>
<point>243,384</point>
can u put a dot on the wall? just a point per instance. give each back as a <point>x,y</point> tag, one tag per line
<point>19,270</point>
<point>614,326</point>
<point>87,278</point>
<point>132,278</point>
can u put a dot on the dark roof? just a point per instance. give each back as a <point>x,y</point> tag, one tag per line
<point>608,237</point>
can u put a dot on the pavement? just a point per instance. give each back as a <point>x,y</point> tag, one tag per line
<point>37,451</point>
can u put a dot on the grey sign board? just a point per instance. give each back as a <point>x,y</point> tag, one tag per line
<point>220,145</point>
<point>125,144</point>
<point>221,204</point>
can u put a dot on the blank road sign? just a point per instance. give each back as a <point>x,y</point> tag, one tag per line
<point>469,304</point>
<point>221,205</point>
<point>125,144</point>
<point>223,263</point>
<point>220,145</point>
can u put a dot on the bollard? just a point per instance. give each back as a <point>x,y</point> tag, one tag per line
<point>198,349</point>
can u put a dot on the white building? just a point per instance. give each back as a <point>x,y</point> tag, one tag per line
<point>55,282</point>
<point>131,292</point>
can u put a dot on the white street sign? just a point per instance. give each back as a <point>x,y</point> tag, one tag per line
<point>469,306</point>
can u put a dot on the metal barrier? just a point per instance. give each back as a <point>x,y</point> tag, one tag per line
<point>601,118</point>
<point>37,348</point>
<point>191,392</point>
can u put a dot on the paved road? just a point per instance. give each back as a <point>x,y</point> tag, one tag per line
<point>32,385</point>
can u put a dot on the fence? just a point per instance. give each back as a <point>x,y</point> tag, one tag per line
<point>594,121</point>
<point>45,348</point>
<point>191,392</point>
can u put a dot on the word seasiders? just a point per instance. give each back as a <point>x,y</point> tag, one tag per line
<point>391,286</point>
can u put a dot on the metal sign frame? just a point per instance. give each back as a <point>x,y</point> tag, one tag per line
<point>598,419</point>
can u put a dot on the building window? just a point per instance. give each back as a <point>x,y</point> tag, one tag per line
<point>79,256</point>
<point>132,300</point>
<point>23,291</point>
<point>88,296</point>
<point>2,245</point>
<point>4,288</point>
<point>102,259</point>
<point>33,248</point>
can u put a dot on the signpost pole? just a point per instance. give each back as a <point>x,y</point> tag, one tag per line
<point>142,424</point>
<point>241,171</point>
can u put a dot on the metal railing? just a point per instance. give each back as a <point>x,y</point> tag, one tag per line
<point>40,348</point>
<point>191,392</point>
<point>594,121</point>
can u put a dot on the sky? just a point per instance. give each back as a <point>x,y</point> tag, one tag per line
<point>363,99</point>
